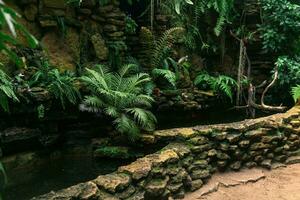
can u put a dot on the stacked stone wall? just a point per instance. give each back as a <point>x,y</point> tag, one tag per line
<point>192,156</point>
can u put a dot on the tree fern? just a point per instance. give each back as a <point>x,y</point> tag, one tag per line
<point>296,93</point>
<point>120,95</point>
<point>6,91</point>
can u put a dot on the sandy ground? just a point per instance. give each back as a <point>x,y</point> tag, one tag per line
<point>255,184</point>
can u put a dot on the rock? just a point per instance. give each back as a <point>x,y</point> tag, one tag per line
<point>244,143</point>
<point>257,133</point>
<point>82,191</point>
<point>113,182</point>
<point>219,136</point>
<point>30,12</point>
<point>164,157</point>
<point>181,149</point>
<point>233,138</point>
<point>200,174</point>
<point>39,94</point>
<point>172,134</point>
<point>236,165</point>
<point>258,146</point>
<point>277,165</point>
<point>100,47</point>
<point>223,156</point>
<point>58,52</point>
<point>212,153</point>
<point>18,134</point>
<point>223,146</point>
<point>139,195</point>
<point>293,160</point>
<point>266,163</point>
<point>147,139</point>
<point>60,4</point>
<point>251,164</point>
<point>222,164</point>
<point>201,164</point>
<point>174,187</point>
<point>88,3</point>
<point>138,169</point>
<point>196,184</point>
<point>156,187</point>
<point>126,193</point>
<point>179,177</point>
<point>201,148</point>
<point>198,140</point>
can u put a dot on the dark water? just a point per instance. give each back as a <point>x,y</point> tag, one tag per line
<point>56,174</point>
<point>175,119</point>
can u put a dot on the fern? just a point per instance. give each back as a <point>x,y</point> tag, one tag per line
<point>120,96</point>
<point>167,74</point>
<point>296,93</point>
<point>166,41</point>
<point>6,91</point>
<point>60,85</point>
<point>222,84</point>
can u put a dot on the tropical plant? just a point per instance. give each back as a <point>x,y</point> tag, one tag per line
<point>8,18</point>
<point>60,85</point>
<point>220,84</point>
<point>6,91</point>
<point>120,96</point>
<point>296,93</point>
<point>280,36</point>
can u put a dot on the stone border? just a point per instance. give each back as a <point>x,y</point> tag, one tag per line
<point>193,155</point>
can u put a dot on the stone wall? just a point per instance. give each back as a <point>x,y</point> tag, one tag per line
<point>71,35</point>
<point>192,156</point>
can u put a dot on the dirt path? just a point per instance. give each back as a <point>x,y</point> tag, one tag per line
<point>254,184</point>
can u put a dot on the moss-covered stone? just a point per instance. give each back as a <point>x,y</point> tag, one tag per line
<point>113,182</point>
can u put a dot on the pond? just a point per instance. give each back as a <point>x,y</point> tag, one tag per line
<point>56,173</point>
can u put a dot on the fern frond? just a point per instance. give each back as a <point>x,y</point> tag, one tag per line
<point>166,74</point>
<point>296,93</point>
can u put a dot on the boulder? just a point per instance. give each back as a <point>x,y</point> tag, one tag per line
<point>138,169</point>
<point>156,187</point>
<point>113,182</point>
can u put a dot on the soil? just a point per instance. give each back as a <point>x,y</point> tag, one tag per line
<point>255,184</point>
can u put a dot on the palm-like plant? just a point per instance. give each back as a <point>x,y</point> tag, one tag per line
<point>6,91</point>
<point>121,96</point>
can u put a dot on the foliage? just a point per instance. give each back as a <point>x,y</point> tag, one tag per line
<point>288,71</point>
<point>280,30</point>
<point>115,49</point>
<point>131,25</point>
<point>162,46</point>
<point>166,74</point>
<point>6,91</point>
<point>120,96</point>
<point>60,85</point>
<point>101,2</point>
<point>222,84</point>
<point>296,93</point>
<point>8,18</point>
